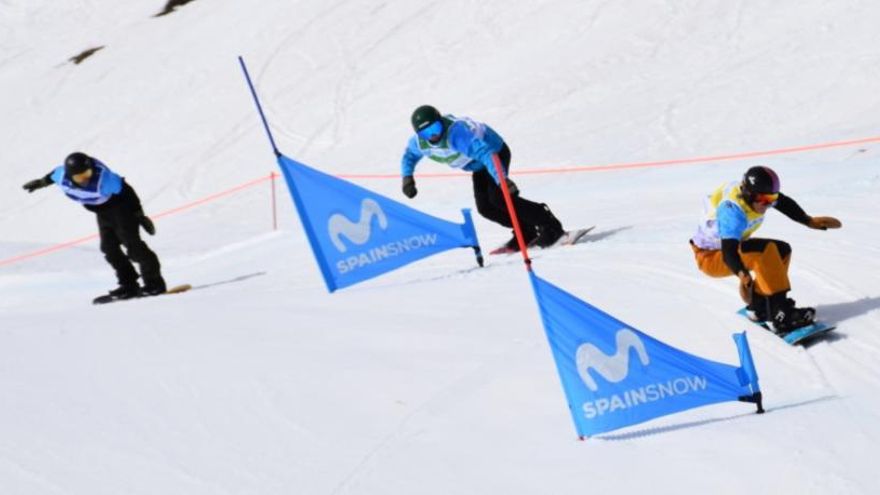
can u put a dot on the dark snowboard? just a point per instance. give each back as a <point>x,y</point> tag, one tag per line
<point>107,298</point>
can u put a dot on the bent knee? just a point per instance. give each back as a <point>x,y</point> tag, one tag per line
<point>784,248</point>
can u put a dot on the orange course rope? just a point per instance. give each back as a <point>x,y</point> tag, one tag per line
<point>557,170</point>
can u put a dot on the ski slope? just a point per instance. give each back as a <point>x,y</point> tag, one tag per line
<point>437,378</point>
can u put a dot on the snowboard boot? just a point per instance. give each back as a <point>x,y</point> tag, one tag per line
<point>758,309</point>
<point>786,316</point>
<point>529,235</point>
<point>550,232</point>
<point>125,292</point>
<point>154,287</point>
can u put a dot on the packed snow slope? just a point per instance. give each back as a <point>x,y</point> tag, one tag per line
<point>437,378</point>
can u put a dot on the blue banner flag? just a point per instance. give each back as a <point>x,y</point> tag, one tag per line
<point>616,376</point>
<point>357,234</point>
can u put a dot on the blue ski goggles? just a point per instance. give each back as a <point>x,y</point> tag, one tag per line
<point>432,130</point>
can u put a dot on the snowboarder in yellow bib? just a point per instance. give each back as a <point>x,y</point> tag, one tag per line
<point>724,246</point>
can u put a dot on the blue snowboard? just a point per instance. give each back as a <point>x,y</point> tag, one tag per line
<point>798,336</point>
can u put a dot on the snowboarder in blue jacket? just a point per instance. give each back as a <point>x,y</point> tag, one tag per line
<point>466,144</point>
<point>100,190</point>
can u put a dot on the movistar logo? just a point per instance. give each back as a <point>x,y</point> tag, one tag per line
<point>613,368</point>
<point>358,233</point>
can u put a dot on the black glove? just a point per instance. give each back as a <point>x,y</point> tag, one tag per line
<point>33,185</point>
<point>409,186</point>
<point>146,223</point>
<point>511,186</point>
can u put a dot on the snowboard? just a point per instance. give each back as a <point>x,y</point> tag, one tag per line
<point>570,237</point>
<point>107,298</point>
<point>798,336</point>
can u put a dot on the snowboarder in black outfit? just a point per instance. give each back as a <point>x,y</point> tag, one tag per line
<point>88,181</point>
<point>469,145</point>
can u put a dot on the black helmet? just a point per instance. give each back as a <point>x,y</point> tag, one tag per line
<point>424,116</point>
<point>77,163</point>
<point>760,180</point>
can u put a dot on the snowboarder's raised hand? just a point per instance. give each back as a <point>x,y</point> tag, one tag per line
<point>409,186</point>
<point>32,185</point>
<point>824,223</point>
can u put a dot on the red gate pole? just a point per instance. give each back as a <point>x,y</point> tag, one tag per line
<point>499,172</point>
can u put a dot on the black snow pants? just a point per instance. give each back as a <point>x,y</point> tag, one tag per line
<point>491,205</point>
<point>119,226</point>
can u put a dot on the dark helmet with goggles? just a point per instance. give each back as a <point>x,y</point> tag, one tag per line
<point>428,123</point>
<point>77,163</point>
<point>760,185</point>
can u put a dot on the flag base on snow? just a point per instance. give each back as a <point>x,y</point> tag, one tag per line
<point>616,376</point>
<point>357,234</point>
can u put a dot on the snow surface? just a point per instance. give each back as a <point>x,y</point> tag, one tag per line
<point>435,379</point>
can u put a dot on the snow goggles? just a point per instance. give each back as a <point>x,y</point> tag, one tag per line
<point>766,199</point>
<point>432,130</point>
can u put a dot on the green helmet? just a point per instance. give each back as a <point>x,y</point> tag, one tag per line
<point>424,116</point>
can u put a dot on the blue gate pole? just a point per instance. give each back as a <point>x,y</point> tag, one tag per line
<point>247,77</point>
<point>469,227</point>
